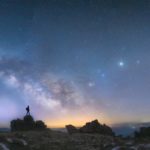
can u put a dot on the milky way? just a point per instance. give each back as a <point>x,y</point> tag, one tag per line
<point>74,61</point>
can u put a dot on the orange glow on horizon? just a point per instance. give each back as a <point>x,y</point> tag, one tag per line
<point>78,122</point>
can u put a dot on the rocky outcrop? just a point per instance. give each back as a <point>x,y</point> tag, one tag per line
<point>16,125</point>
<point>71,129</point>
<point>91,127</point>
<point>27,124</point>
<point>96,127</point>
<point>40,125</point>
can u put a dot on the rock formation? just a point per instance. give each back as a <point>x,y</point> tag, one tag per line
<point>40,125</point>
<point>96,127</point>
<point>26,124</point>
<point>91,127</point>
<point>71,129</point>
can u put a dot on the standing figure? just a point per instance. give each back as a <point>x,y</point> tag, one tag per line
<point>28,110</point>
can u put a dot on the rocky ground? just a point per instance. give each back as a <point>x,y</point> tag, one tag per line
<point>54,140</point>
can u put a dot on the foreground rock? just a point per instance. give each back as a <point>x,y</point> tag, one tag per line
<point>55,140</point>
<point>3,147</point>
<point>17,141</point>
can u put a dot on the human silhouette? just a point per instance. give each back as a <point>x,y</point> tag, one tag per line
<point>28,110</point>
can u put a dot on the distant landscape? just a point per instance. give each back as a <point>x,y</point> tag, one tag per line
<point>119,129</point>
<point>29,134</point>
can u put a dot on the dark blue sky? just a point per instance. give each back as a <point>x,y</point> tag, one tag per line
<point>87,58</point>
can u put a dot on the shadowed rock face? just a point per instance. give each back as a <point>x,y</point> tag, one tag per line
<point>96,127</point>
<point>71,129</point>
<point>26,124</point>
<point>29,123</point>
<point>91,127</point>
<point>17,125</point>
<point>40,125</point>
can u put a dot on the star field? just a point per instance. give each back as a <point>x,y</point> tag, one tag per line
<point>74,61</point>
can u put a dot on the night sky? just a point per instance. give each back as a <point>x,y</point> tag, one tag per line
<point>74,61</point>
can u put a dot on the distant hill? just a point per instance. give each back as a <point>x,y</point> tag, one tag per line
<point>4,129</point>
<point>128,128</point>
<point>59,129</point>
<point>120,129</point>
<point>125,129</point>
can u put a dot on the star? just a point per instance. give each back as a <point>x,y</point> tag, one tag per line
<point>91,84</point>
<point>98,71</point>
<point>138,62</point>
<point>103,75</point>
<point>121,64</point>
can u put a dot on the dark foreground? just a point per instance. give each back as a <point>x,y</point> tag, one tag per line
<point>54,140</point>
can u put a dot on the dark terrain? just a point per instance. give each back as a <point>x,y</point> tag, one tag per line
<point>27,134</point>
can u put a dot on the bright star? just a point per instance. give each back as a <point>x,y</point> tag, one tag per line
<point>121,63</point>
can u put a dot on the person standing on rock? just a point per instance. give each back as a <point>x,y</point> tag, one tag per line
<point>28,110</point>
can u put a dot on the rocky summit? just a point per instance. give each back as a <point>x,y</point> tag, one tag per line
<point>27,124</point>
<point>96,127</point>
<point>91,127</point>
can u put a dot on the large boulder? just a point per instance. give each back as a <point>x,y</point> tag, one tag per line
<point>40,125</point>
<point>29,123</point>
<point>71,129</point>
<point>17,125</point>
<point>96,127</point>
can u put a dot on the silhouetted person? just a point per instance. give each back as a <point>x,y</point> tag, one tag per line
<point>28,110</point>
